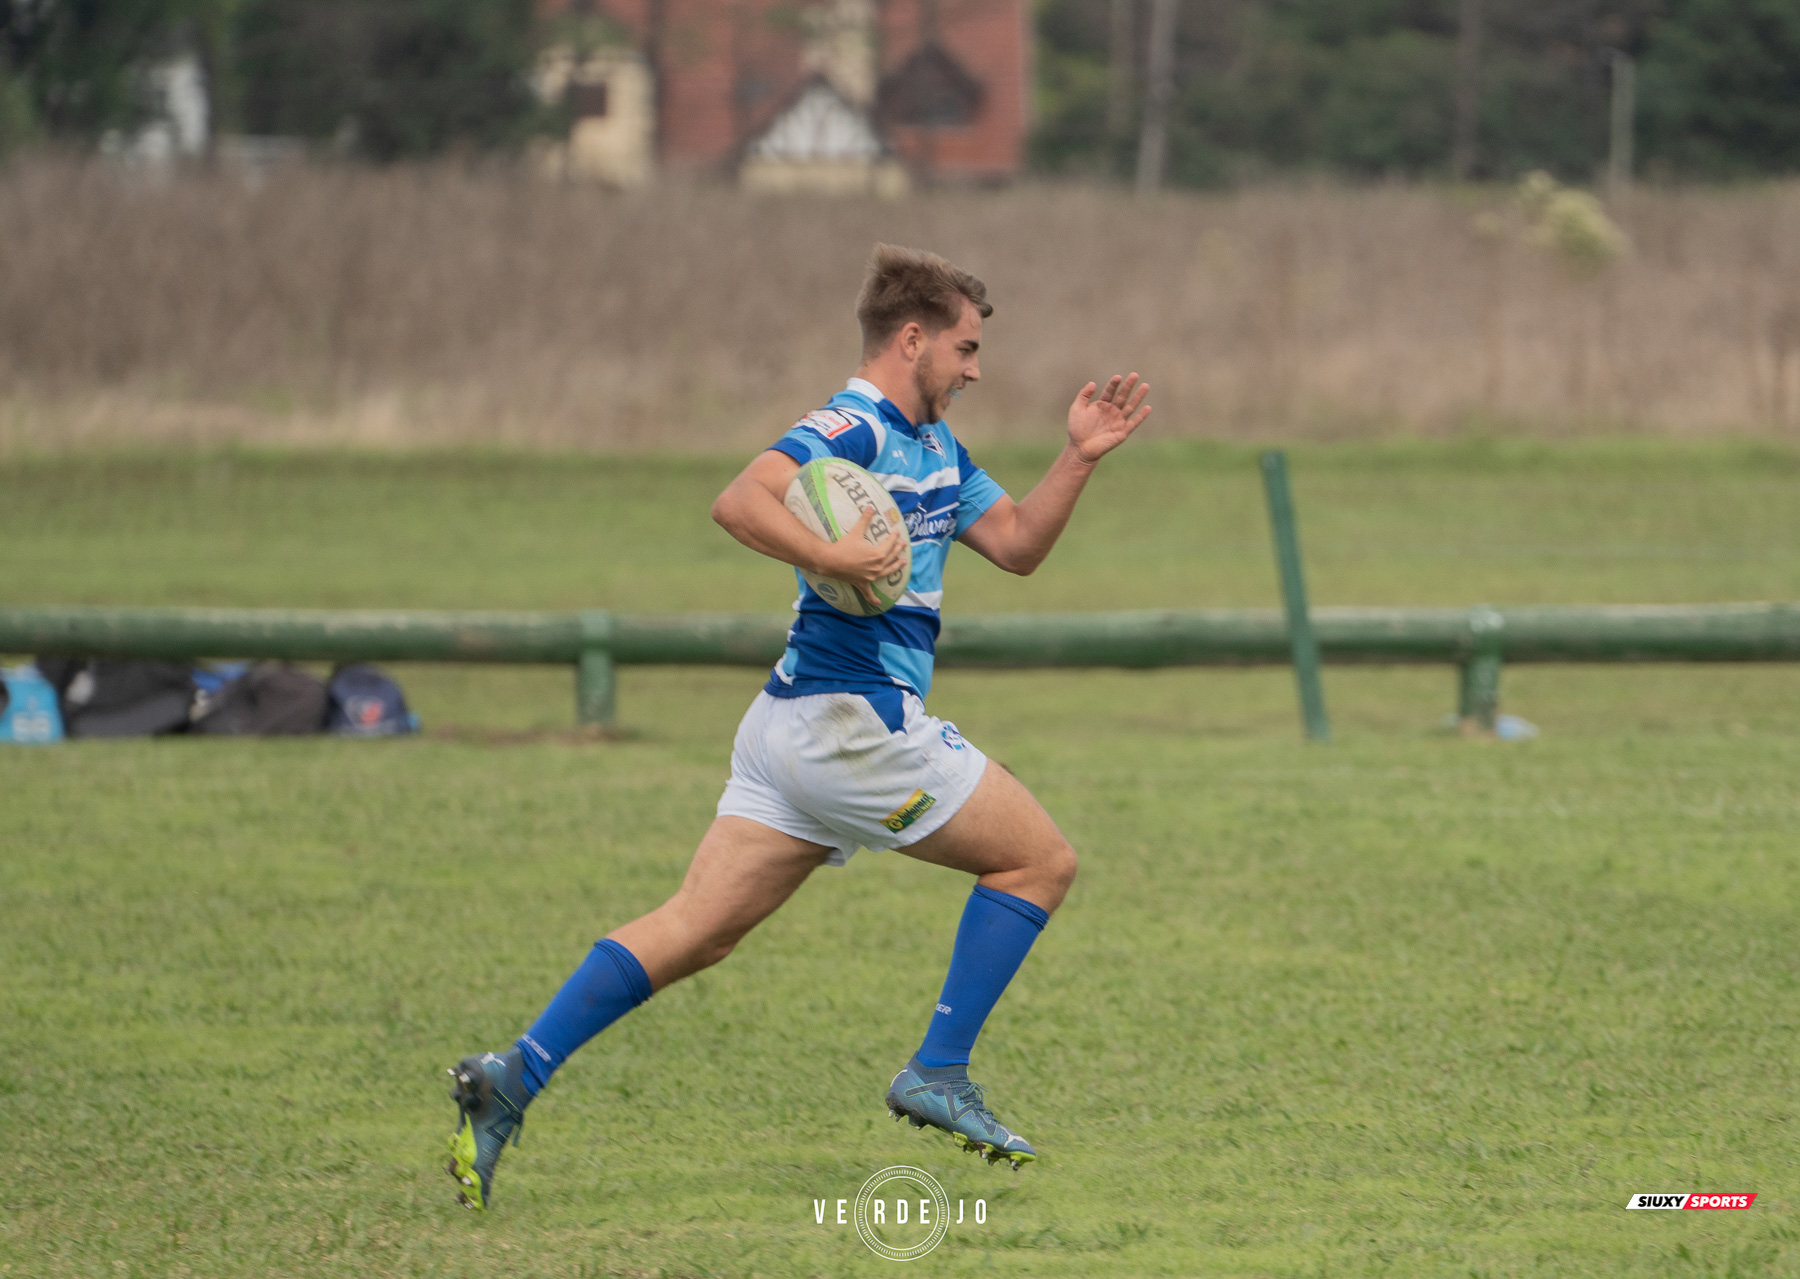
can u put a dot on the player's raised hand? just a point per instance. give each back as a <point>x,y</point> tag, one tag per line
<point>855,559</point>
<point>1101,420</point>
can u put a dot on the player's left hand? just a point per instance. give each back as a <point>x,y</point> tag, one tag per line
<point>1099,423</point>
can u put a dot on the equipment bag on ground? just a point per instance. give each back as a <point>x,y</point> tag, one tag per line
<point>28,710</point>
<point>105,698</point>
<point>271,699</point>
<point>365,702</point>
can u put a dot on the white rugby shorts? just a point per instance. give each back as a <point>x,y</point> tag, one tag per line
<point>826,769</point>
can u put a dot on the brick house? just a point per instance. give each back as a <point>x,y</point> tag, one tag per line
<point>943,84</point>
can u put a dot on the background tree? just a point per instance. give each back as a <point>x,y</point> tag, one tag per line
<point>1720,88</point>
<point>1368,87</point>
<point>392,78</point>
<point>75,68</point>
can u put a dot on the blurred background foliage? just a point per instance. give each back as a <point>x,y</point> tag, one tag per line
<point>1367,87</point>
<point>386,79</point>
<point>1361,88</point>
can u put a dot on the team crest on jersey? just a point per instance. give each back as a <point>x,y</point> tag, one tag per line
<point>830,423</point>
<point>930,440</point>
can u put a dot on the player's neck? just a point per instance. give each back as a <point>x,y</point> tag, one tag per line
<point>898,386</point>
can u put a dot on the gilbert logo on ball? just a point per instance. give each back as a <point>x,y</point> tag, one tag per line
<point>829,496</point>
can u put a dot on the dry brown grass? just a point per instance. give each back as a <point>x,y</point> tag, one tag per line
<point>423,306</point>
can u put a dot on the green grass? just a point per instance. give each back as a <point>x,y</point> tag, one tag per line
<point>1405,1005</point>
<point>1164,525</point>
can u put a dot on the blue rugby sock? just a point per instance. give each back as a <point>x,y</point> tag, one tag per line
<point>609,984</point>
<point>996,931</point>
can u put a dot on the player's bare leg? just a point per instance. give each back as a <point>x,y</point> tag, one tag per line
<point>1004,836</point>
<point>740,874</point>
<point>1024,868</point>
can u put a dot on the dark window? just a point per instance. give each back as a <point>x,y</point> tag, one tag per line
<point>930,89</point>
<point>587,101</point>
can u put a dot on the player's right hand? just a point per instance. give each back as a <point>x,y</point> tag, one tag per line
<point>853,558</point>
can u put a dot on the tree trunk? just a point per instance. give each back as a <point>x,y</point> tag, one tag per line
<point>1153,140</point>
<point>1468,89</point>
<point>1119,52</point>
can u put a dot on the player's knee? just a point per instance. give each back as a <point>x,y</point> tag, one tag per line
<point>1055,872</point>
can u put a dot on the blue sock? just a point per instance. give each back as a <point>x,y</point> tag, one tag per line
<point>996,931</point>
<point>609,984</point>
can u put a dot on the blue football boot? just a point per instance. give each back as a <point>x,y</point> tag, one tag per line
<point>943,1097</point>
<point>489,1090</point>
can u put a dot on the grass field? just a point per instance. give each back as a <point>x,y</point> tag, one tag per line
<point>1406,1005</point>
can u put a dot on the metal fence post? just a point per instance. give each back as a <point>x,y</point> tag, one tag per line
<point>1293,594</point>
<point>596,682</point>
<point>1478,685</point>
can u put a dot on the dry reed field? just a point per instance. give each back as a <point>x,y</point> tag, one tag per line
<point>448,305</point>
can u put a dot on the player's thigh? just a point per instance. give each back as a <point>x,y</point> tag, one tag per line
<point>1001,828</point>
<point>742,871</point>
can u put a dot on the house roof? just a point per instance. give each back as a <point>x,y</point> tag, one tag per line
<point>819,124</point>
<point>930,89</point>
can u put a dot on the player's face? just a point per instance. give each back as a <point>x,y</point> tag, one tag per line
<point>947,363</point>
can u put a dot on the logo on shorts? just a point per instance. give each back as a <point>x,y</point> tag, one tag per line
<point>909,812</point>
<point>952,738</point>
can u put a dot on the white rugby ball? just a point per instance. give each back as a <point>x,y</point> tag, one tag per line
<point>829,495</point>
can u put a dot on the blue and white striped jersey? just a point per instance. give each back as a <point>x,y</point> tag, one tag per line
<point>940,493</point>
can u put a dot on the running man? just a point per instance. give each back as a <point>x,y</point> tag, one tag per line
<point>837,753</point>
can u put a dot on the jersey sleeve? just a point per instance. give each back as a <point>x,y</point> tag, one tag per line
<point>979,491</point>
<point>830,433</point>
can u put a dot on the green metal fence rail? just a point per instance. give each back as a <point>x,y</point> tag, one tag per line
<point>1477,641</point>
<point>1301,641</point>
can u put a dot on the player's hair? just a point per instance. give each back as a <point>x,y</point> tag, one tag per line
<point>903,285</point>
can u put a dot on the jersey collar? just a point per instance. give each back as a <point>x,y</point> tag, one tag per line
<point>890,412</point>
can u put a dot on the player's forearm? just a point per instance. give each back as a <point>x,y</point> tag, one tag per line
<point>1040,518</point>
<point>750,513</point>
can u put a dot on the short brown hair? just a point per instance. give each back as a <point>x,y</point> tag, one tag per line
<point>903,285</point>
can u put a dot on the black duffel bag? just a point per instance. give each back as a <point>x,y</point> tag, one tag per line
<point>101,697</point>
<point>271,699</point>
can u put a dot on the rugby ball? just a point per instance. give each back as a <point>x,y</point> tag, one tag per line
<point>829,495</point>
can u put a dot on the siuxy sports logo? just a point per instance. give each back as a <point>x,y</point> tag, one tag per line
<point>1682,1200</point>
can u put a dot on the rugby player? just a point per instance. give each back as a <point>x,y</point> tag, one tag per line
<point>837,752</point>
